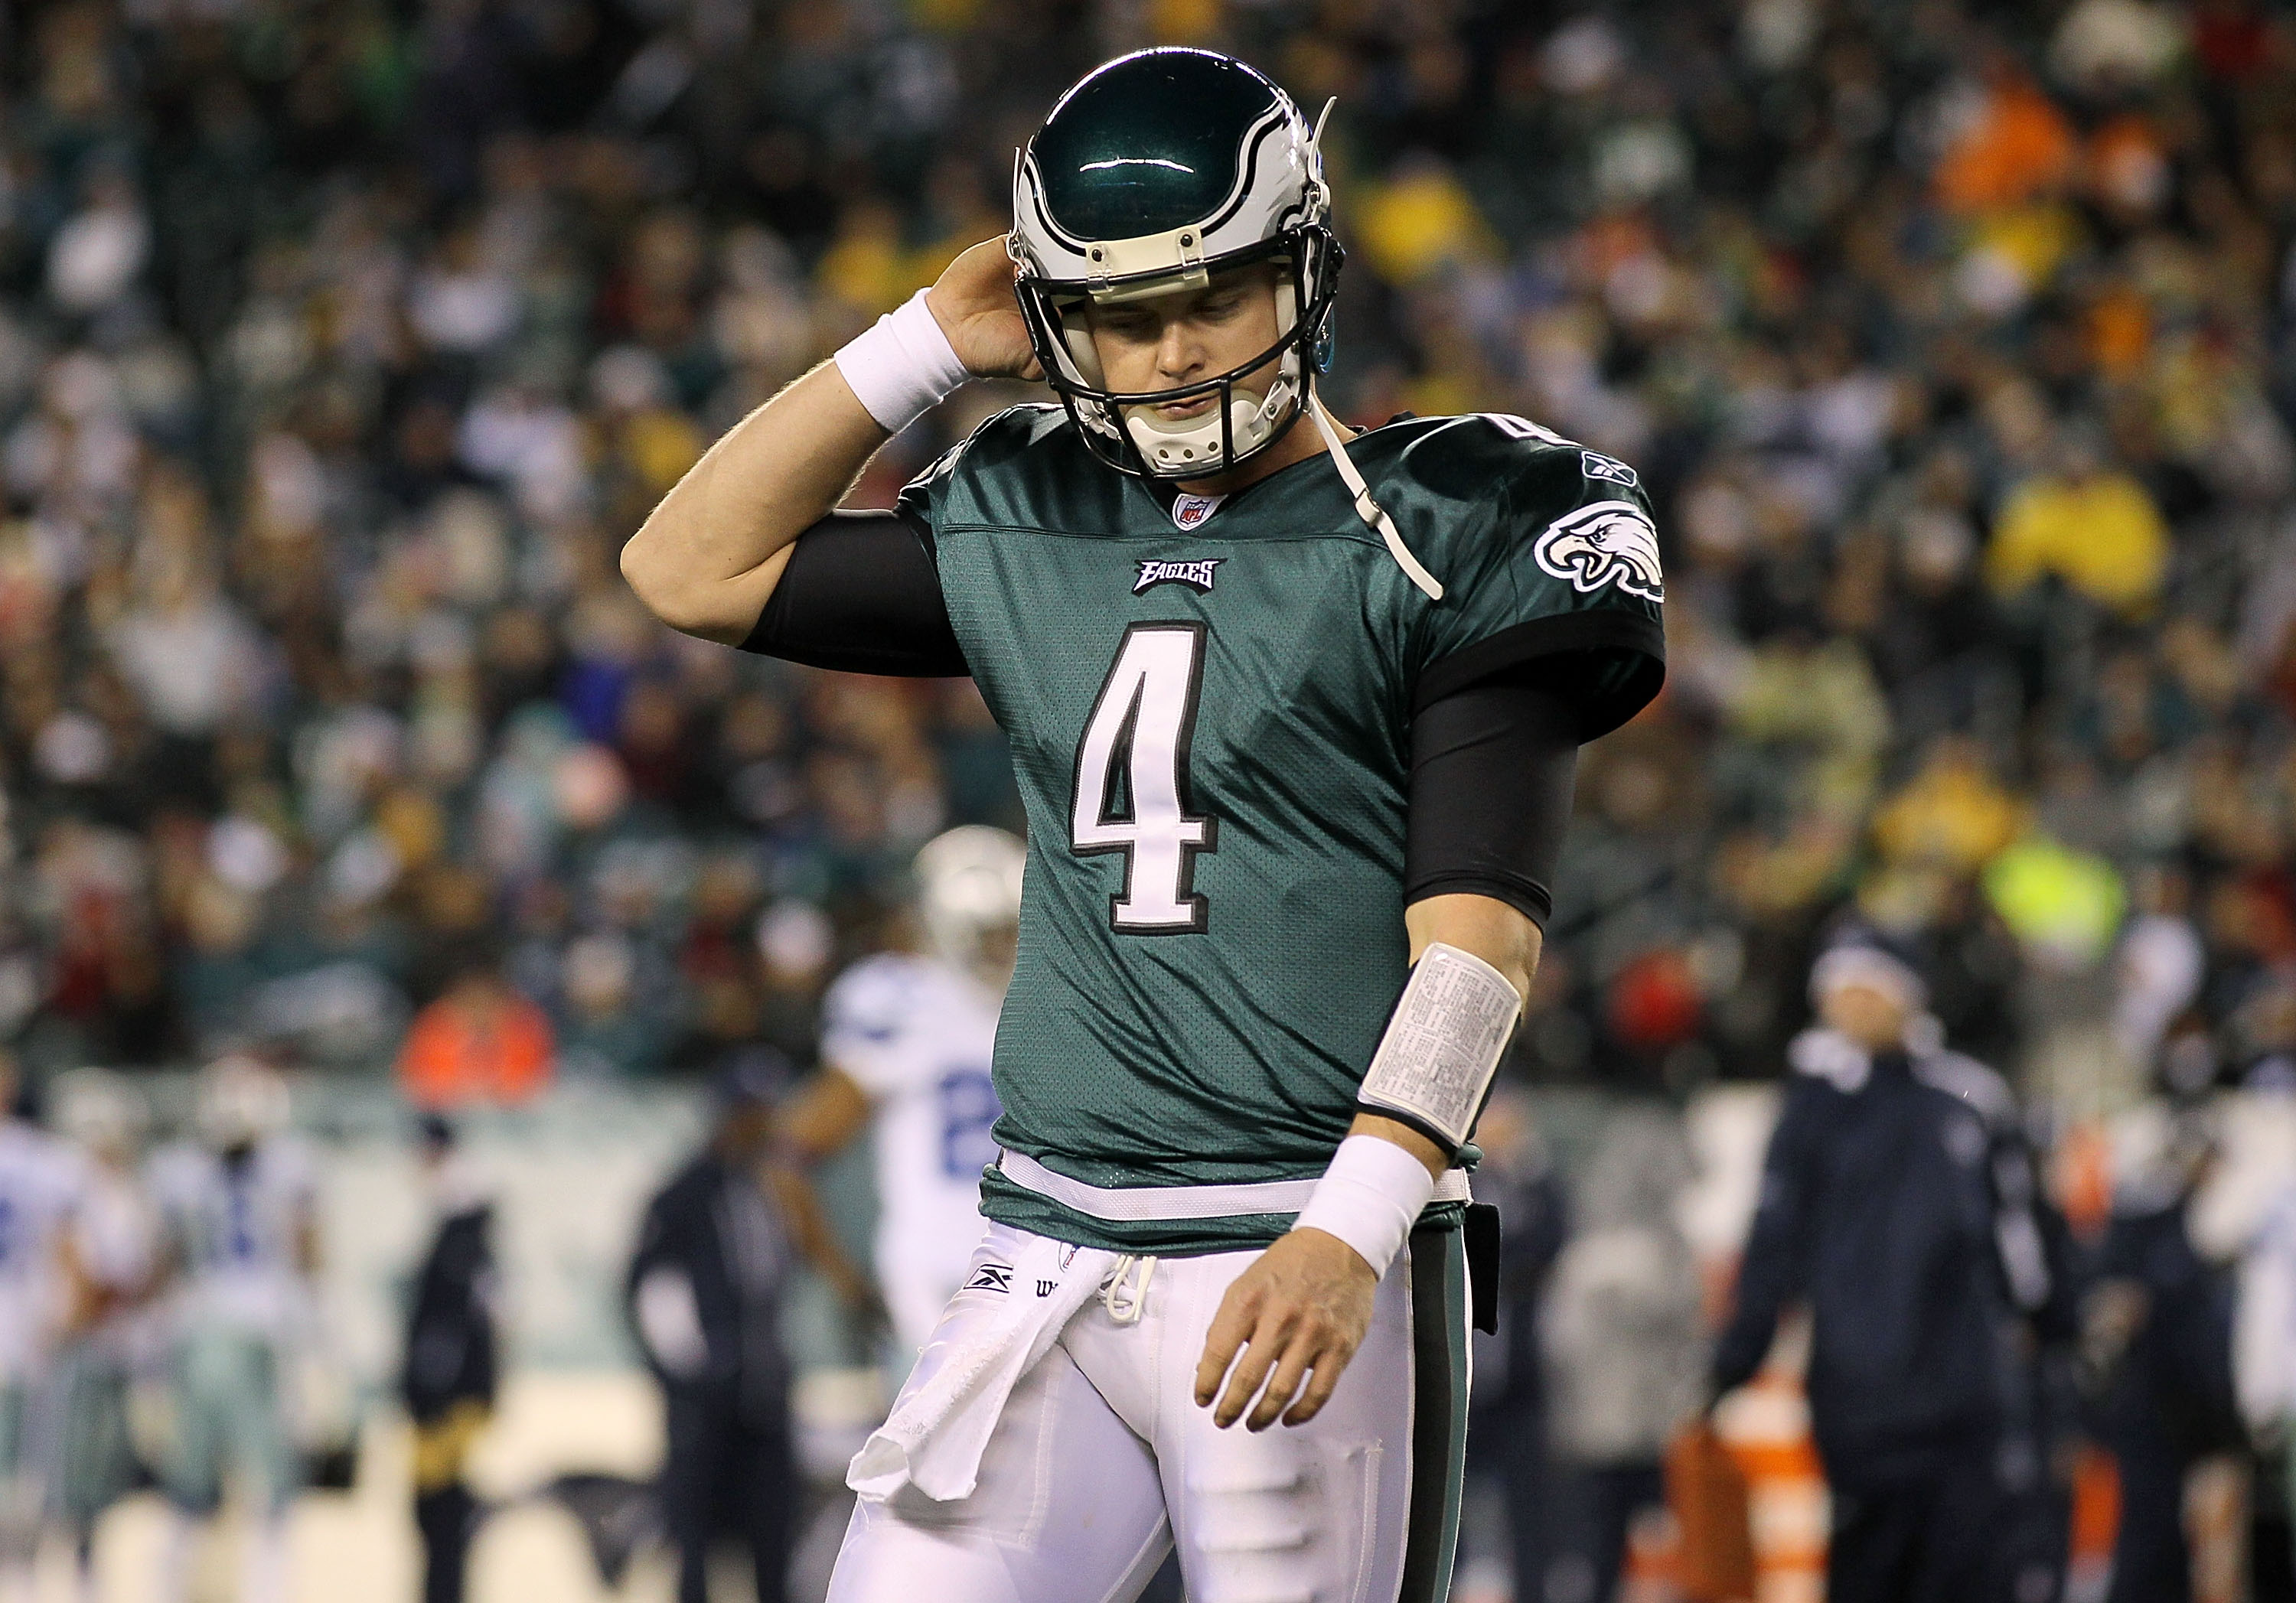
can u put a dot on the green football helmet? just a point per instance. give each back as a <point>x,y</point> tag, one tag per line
<point>1155,172</point>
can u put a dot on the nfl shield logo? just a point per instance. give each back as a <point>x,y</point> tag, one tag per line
<point>1189,512</point>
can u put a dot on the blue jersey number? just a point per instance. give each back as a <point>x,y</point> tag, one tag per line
<point>967,1107</point>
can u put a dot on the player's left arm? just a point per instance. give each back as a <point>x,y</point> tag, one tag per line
<point>309,1241</point>
<point>1548,635</point>
<point>1493,768</point>
<point>1500,934</point>
<point>1301,1311</point>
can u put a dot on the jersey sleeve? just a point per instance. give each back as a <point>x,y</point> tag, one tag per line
<point>921,500</point>
<point>1549,558</point>
<point>864,1025</point>
<point>948,486</point>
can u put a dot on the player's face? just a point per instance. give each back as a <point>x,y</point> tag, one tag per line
<point>1171,341</point>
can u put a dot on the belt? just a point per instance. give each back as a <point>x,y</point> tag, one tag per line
<point>1123,1203</point>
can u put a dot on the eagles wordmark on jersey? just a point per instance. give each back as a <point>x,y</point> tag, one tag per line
<point>1210,730</point>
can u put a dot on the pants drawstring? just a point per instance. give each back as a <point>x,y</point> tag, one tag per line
<point>1125,1297</point>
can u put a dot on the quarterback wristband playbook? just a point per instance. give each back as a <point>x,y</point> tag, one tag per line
<point>901,368</point>
<point>1431,1071</point>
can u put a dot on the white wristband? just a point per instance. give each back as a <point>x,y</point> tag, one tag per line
<point>1369,1198</point>
<point>902,367</point>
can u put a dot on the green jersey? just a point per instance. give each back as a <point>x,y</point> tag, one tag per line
<point>1210,701</point>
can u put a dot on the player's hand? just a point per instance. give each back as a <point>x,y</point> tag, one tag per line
<point>973,302</point>
<point>1298,1314</point>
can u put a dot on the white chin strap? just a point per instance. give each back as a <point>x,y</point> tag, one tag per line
<point>1366,509</point>
<point>1173,446</point>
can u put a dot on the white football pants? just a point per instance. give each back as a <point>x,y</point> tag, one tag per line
<point>1101,1462</point>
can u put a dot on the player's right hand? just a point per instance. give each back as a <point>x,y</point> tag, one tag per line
<point>973,302</point>
<point>1296,1315</point>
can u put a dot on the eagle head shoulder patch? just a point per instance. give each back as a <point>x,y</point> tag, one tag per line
<point>1605,542</point>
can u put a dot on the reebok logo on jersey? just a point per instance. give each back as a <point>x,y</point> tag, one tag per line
<point>990,1277</point>
<point>1593,465</point>
<point>1189,512</point>
<point>1197,575</point>
<point>1608,543</point>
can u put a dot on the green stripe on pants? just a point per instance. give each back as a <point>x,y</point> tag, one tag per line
<point>1439,1414</point>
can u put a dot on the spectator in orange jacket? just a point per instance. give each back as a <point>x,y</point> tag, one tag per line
<point>480,1041</point>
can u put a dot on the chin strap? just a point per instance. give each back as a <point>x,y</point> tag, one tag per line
<point>1366,509</point>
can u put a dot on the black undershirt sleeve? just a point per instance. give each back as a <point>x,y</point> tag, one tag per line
<point>1493,764</point>
<point>862,594</point>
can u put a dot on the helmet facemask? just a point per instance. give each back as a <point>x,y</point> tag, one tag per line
<point>1125,429</point>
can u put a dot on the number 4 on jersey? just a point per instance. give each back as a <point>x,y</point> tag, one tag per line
<point>1142,720</point>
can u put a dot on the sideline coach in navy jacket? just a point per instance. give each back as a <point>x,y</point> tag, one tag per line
<point>1899,1204</point>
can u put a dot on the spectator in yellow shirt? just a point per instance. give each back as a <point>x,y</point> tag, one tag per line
<point>2095,528</point>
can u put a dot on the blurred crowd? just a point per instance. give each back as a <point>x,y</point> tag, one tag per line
<point>342,342</point>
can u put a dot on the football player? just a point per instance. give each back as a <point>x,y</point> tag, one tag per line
<point>108,1253</point>
<point>239,1233</point>
<point>1294,712</point>
<point>905,1046</point>
<point>41,1184</point>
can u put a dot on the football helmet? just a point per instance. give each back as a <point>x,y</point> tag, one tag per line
<point>1151,174</point>
<point>968,890</point>
<point>1155,172</point>
<point>242,1100</point>
<point>101,1111</point>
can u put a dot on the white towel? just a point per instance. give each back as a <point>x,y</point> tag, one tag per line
<point>938,1432</point>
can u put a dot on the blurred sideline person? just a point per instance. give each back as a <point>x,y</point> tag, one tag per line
<point>109,1252</point>
<point>453,1361</point>
<point>1900,1202</point>
<point>1624,1339</point>
<point>1508,1429</point>
<point>2264,1371</point>
<point>40,1185</point>
<point>2156,1357</point>
<point>905,1047</point>
<point>242,1243</point>
<point>703,1296</point>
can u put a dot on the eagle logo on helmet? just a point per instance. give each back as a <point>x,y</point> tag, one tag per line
<point>1608,543</point>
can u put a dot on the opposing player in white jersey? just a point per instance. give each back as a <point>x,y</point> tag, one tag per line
<point>40,1181</point>
<point>111,1247</point>
<point>241,1231</point>
<point>905,1045</point>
